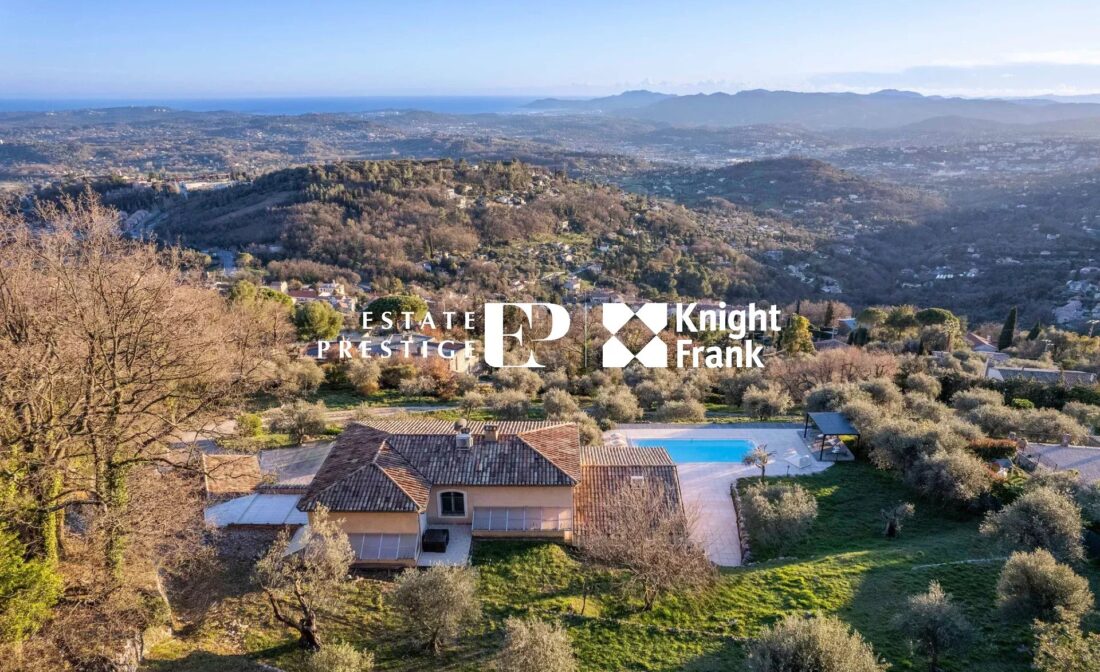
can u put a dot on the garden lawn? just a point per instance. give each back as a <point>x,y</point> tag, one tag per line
<point>845,567</point>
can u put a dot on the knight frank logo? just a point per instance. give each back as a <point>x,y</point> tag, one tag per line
<point>687,321</point>
<point>653,354</point>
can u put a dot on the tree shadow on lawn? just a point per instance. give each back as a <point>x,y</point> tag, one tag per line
<point>997,640</point>
<point>205,661</point>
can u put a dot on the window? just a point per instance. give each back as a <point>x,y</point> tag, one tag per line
<point>452,504</point>
<point>522,519</point>
<point>369,547</point>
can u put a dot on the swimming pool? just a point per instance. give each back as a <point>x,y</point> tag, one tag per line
<point>701,450</point>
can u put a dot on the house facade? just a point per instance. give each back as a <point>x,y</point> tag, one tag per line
<point>389,482</point>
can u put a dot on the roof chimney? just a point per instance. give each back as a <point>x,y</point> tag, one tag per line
<point>492,433</point>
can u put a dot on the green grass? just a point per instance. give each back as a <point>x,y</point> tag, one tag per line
<point>844,567</point>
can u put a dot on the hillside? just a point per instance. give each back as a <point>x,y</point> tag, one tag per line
<point>820,111</point>
<point>475,229</point>
<point>813,193</point>
<point>624,101</point>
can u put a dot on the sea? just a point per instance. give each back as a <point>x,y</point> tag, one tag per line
<point>311,105</point>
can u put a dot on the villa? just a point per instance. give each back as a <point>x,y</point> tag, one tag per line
<point>403,487</point>
<point>417,492</point>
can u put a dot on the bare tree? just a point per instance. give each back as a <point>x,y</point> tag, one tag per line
<point>311,574</point>
<point>646,531</point>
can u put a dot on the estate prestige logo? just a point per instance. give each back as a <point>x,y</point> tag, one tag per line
<point>739,323</point>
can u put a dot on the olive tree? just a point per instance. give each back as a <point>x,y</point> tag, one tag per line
<point>1062,647</point>
<point>341,657</point>
<point>616,404</point>
<point>820,644</point>
<point>767,402</point>
<point>298,581</point>
<point>531,645</point>
<point>437,605</point>
<point>300,419</point>
<point>934,624</point>
<point>1036,585</point>
<point>1040,518</point>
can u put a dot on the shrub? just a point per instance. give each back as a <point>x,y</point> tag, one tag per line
<point>993,449</point>
<point>952,477</point>
<point>249,425</point>
<point>559,404</point>
<point>394,372</point>
<point>922,383</point>
<point>340,657</point>
<point>735,382</point>
<point>305,376</point>
<point>651,393</point>
<point>882,391</point>
<point>521,380</point>
<point>829,397</point>
<point>1086,414</point>
<point>436,605</point>
<point>531,645</point>
<point>1022,404</point>
<point>616,404</point>
<point>820,644</point>
<point>1047,424</point>
<point>898,442</point>
<point>590,432</point>
<point>862,413</point>
<point>687,410</point>
<point>967,400</point>
<point>933,624</point>
<point>998,421</point>
<point>300,419</point>
<point>1035,585</point>
<point>509,404</point>
<point>365,375</point>
<point>925,408</point>
<point>767,402</point>
<point>28,590</point>
<point>777,515</point>
<point>1040,518</point>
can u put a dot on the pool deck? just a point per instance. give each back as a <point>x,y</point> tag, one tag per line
<point>705,486</point>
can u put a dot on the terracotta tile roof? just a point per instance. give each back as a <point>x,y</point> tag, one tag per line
<point>613,456</point>
<point>606,470</point>
<point>230,474</point>
<point>391,466</point>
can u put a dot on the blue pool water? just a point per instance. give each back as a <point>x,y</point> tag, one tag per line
<point>701,450</point>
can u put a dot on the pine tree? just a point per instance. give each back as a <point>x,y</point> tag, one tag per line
<point>1008,332</point>
<point>1034,333</point>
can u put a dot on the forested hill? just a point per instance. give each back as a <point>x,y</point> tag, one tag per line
<point>790,184</point>
<point>493,227</point>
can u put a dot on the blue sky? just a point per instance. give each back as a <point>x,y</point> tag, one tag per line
<point>232,48</point>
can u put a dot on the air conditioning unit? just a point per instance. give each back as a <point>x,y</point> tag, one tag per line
<point>464,440</point>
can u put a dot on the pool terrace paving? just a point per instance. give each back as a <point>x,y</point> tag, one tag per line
<point>705,486</point>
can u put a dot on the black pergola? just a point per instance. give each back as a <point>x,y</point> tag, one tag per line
<point>829,424</point>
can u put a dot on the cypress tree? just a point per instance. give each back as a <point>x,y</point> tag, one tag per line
<point>1008,331</point>
<point>1034,333</point>
<point>829,315</point>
